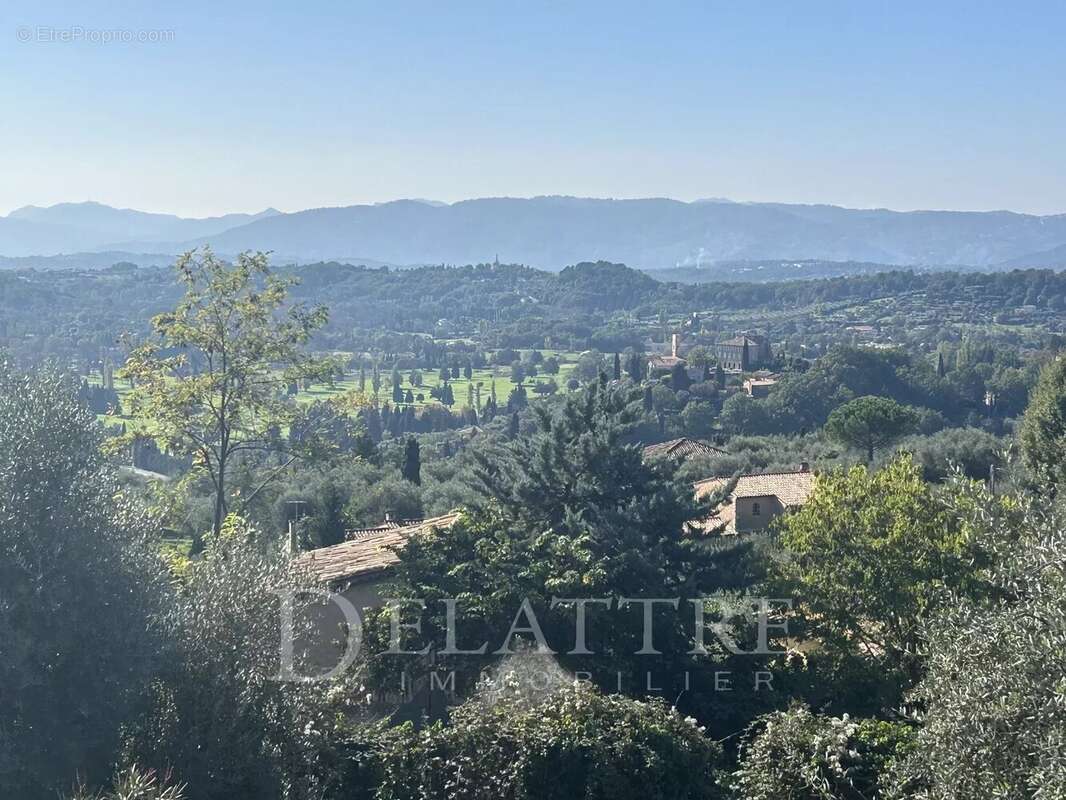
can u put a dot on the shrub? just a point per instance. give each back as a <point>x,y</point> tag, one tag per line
<point>803,756</point>
<point>572,743</point>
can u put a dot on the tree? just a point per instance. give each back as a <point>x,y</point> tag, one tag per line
<point>219,715</point>
<point>572,510</point>
<point>447,395</point>
<point>210,383</point>
<point>82,586</point>
<point>870,423</point>
<point>679,380</point>
<point>1043,429</point>
<point>698,418</point>
<point>867,557</point>
<point>699,356</point>
<point>512,426</point>
<point>412,463</point>
<point>635,366</point>
<point>518,372</point>
<point>547,387</point>
<point>517,399</point>
<point>741,414</point>
<point>991,711</point>
<point>617,371</point>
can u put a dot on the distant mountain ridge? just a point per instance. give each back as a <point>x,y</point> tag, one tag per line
<point>553,232</point>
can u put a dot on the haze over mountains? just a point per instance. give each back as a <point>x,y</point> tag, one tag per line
<point>545,232</point>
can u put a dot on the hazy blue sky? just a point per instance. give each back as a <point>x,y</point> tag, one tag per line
<point>908,105</point>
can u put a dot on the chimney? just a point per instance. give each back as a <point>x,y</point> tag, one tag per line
<point>805,466</point>
<point>388,516</point>
<point>675,340</point>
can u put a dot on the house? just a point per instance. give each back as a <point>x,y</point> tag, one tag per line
<point>680,449</point>
<point>757,499</point>
<point>358,567</point>
<point>743,353</point>
<point>663,365</point>
<point>357,570</point>
<point>758,387</point>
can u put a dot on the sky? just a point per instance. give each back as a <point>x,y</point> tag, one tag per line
<point>207,108</point>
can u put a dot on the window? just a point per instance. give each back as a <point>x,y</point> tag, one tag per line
<point>755,509</point>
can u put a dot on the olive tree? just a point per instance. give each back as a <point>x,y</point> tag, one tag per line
<point>81,591</point>
<point>992,714</point>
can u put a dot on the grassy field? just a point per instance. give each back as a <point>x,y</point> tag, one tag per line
<point>500,376</point>
<point>487,377</point>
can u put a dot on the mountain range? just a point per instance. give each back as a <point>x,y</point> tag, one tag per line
<point>546,232</point>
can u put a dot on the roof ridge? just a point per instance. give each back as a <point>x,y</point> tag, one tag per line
<point>756,474</point>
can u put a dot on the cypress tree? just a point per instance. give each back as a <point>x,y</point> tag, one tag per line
<point>412,462</point>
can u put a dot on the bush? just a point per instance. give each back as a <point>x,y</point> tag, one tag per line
<point>803,756</point>
<point>135,784</point>
<point>572,743</point>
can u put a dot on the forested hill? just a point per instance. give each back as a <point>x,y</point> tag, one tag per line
<point>54,303</point>
<point>487,292</point>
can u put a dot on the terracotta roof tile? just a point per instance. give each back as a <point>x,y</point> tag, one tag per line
<point>372,553</point>
<point>682,448</point>
<point>791,488</point>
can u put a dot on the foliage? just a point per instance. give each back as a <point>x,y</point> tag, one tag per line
<point>81,589</point>
<point>992,704</point>
<point>135,784</point>
<point>571,743</point>
<point>803,756</point>
<point>211,383</point>
<point>1043,430</point>
<point>866,559</point>
<point>970,450</point>
<point>572,511</point>
<point>221,717</point>
<point>870,423</point>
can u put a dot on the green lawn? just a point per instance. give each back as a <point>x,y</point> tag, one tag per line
<point>501,376</point>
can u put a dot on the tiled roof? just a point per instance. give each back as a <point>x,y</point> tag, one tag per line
<point>662,362</point>
<point>370,554</point>
<point>388,525</point>
<point>739,341</point>
<point>791,488</point>
<point>682,448</point>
